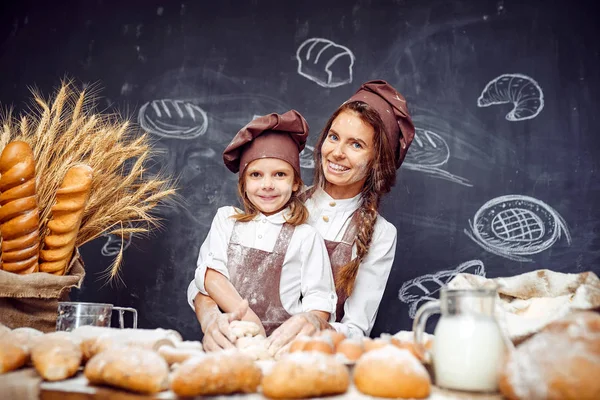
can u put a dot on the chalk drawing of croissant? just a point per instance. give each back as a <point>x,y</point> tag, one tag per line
<point>522,91</point>
<point>425,288</point>
<point>324,62</point>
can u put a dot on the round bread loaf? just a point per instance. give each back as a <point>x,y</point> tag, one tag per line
<point>391,372</point>
<point>560,362</point>
<point>12,355</point>
<point>351,349</point>
<point>219,373</point>
<point>305,374</point>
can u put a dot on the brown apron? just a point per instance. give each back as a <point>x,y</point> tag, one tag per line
<point>340,254</point>
<point>256,275</point>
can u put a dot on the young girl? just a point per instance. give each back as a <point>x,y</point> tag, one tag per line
<point>265,254</point>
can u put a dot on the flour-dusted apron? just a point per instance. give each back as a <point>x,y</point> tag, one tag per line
<point>256,275</point>
<point>340,254</point>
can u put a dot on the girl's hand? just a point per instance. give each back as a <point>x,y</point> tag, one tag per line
<point>303,324</point>
<point>217,335</point>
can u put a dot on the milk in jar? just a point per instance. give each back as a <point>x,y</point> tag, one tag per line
<point>468,352</point>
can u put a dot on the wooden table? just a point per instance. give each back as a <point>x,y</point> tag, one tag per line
<point>78,389</point>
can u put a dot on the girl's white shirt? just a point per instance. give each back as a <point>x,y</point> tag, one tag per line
<point>306,270</point>
<point>331,217</point>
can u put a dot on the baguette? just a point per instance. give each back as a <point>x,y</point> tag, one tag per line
<point>67,213</point>
<point>19,213</point>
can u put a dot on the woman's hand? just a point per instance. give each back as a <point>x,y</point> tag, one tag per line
<point>303,324</point>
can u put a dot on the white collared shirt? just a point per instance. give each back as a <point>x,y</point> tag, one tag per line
<point>331,217</point>
<point>306,269</point>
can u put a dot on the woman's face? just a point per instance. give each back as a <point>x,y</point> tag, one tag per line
<point>346,155</point>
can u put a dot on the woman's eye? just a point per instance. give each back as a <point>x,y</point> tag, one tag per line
<point>333,136</point>
<point>357,145</point>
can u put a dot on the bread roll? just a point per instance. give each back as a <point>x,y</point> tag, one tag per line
<point>139,370</point>
<point>560,362</point>
<point>12,355</point>
<point>306,374</point>
<point>351,349</point>
<point>321,344</point>
<point>334,336</point>
<point>374,344</point>
<point>174,355</point>
<point>56,356</point>
<point>19,214</point>
<point>391,372</point>
<point>220,373</point>
<point>63,227</point>
<point>25,337</point>
<point>299,344</point>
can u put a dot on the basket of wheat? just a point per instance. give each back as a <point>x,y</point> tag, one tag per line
<point>67,176</point>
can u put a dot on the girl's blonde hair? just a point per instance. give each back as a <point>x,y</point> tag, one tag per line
<point>298,212</point>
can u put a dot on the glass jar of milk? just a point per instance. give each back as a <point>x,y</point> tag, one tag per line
<point>468,345</point>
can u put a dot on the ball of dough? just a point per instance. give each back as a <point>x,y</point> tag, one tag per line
<point>243,328</point>
<point>391,372</point>
<point>560,362</point>
<point>254,346</point>
<point>306,374</point>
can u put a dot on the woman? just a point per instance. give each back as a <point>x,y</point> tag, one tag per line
<point>357,154</point>
<point>356,158</point>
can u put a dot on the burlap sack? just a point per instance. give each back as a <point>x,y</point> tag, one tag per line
<point>32,300</point>
<point>528,302</point>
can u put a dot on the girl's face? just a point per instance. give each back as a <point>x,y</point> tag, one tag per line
<point>269,184</point>
<point>346,155</point>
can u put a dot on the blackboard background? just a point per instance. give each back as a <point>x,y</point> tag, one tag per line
<point>235,59</point>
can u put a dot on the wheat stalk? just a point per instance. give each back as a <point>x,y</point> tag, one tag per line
<point>64,131</point>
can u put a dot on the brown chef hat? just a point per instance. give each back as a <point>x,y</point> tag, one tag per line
<point>391,107</point>
<point>270,136</point>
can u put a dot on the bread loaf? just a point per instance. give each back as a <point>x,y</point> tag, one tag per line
<point>306,374</point>
<point>219,373</point>
<point>19,214</point>
<point>391,372</point>
<point>63,227</point>
<point>175,355</point>
<point>560,362</point>
<point>12,355</point>
<point>131,368</point>
<point>56,357</point>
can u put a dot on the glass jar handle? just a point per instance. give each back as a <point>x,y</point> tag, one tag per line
<point>122,310</point>
<point>424,312</point>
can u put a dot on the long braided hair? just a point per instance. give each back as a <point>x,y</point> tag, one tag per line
<point>381,178</point>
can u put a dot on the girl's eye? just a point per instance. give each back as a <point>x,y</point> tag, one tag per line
<point>280,174</point>
<point>254,174</point>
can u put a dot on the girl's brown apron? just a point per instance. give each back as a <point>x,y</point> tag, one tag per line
<point>340,254</point>
<point>256,275</point>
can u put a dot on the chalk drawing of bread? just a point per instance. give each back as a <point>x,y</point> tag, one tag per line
<point>173,119</point>
<point>428,150</point>
<point>515,226</point>
<point>522,91</point>
<point>425,288</point>
<point>324,62</point>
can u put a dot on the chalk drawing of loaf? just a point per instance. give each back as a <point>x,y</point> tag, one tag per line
<point>428,153</point>
<point>515,226</point>
<point>522,91</point>
<point>114,243</point>
<point>173,119</point>
<point>324,62</point>
<point>425,288</point>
